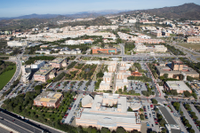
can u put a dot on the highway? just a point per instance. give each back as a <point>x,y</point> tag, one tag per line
<point>17,124</point>
<point>24,125</point>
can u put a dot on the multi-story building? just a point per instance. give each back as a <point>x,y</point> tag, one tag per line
<point>43,74</point>
<point>122,75</point>
<point>38,64</point>
<point>109,110</point>
<point>179,86</point>
<point>156,48</point>
<point>175,69</point>
<point>107,78</point>
<point>193,39</point>
<point>104,50</point>
<point>17,43</point>
<point>48,99</point>
<point>59,62</point>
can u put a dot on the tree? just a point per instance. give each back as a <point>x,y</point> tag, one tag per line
<point>186,93</point>
<point>129,109</point>
<point>189,78</point>
<point>100,74</point>
<point>154,101</point>
<point>174,92</point>
<point>141,109</point>
<point>165,75</point>
<point>120,91</point>
<point>191,131</point>
<point>120,130</point>
<point>142,117</point>
<point>125,88</point>
<point>38,89</point>
<point>105,130</point>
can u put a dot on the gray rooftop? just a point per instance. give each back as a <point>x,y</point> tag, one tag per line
<point>175,131</point>
<point>169,119</point>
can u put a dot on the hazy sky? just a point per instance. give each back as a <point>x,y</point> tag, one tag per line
<point>13,8</point>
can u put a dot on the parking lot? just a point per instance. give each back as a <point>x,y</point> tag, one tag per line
<point>137,86</point>
<point>151,116</point>
<point>72,111</point>
<point>72,85</point>
<point>137,59</point>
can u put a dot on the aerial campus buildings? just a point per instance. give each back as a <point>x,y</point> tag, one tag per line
<point>175,69</point>
<point>104,50</point>
<point>180,86</point>
<point>171,124</point>
<point>46,72</point>
<point>48,99</point>
<point>121,75</point>
<point>109,110</point>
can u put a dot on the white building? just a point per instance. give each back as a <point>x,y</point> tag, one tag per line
<point>68,51</point>
<point>132,21</point>
<point>139,47</point>
<point>26,72</point>
<point>43,52</point>
<point>38,64</point>
<point>17,43</point>
<point>109,110</point>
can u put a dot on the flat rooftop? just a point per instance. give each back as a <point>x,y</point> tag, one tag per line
<point>58,60</point>
<point>48,96</point>
<point>164,69</point>
<point>178,85</point>
<point>169,119</point>
<point>175,131</point>
<point>45,71</point>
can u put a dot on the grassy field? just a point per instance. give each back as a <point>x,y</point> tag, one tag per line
<point>5,77</point>
<point>194,46</point>
<point>198,59</point>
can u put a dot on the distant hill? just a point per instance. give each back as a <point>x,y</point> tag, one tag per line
<point>75,15</point>
<point>97,21</point>
<point>185,11</point>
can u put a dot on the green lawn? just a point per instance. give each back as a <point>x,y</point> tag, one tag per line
<point>5,77</point>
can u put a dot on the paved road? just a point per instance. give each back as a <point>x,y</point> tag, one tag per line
<point>30,125</point>
<point>122,49</point>
<point>73,110</point>
<point>177,118</point>
<point>3,129</point>
<point>185,113</point>
<point>150,116</point>
<point>195,110</point>
<point>23,126</point>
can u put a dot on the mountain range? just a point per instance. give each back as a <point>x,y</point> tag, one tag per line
<point>75,15</point>
<point>185,11</point>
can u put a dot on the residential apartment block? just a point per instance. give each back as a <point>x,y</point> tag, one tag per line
<point>107,78</point>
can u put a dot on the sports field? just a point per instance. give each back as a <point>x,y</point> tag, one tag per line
<point>194,46</point>
<point>6,76</point>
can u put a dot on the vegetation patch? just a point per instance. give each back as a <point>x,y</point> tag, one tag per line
<point>7,71</point>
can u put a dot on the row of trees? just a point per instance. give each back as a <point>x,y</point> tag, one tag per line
<point>174,50</point>
<point>143,78</point>
<point>6,66</point>
<point>32,59</point>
